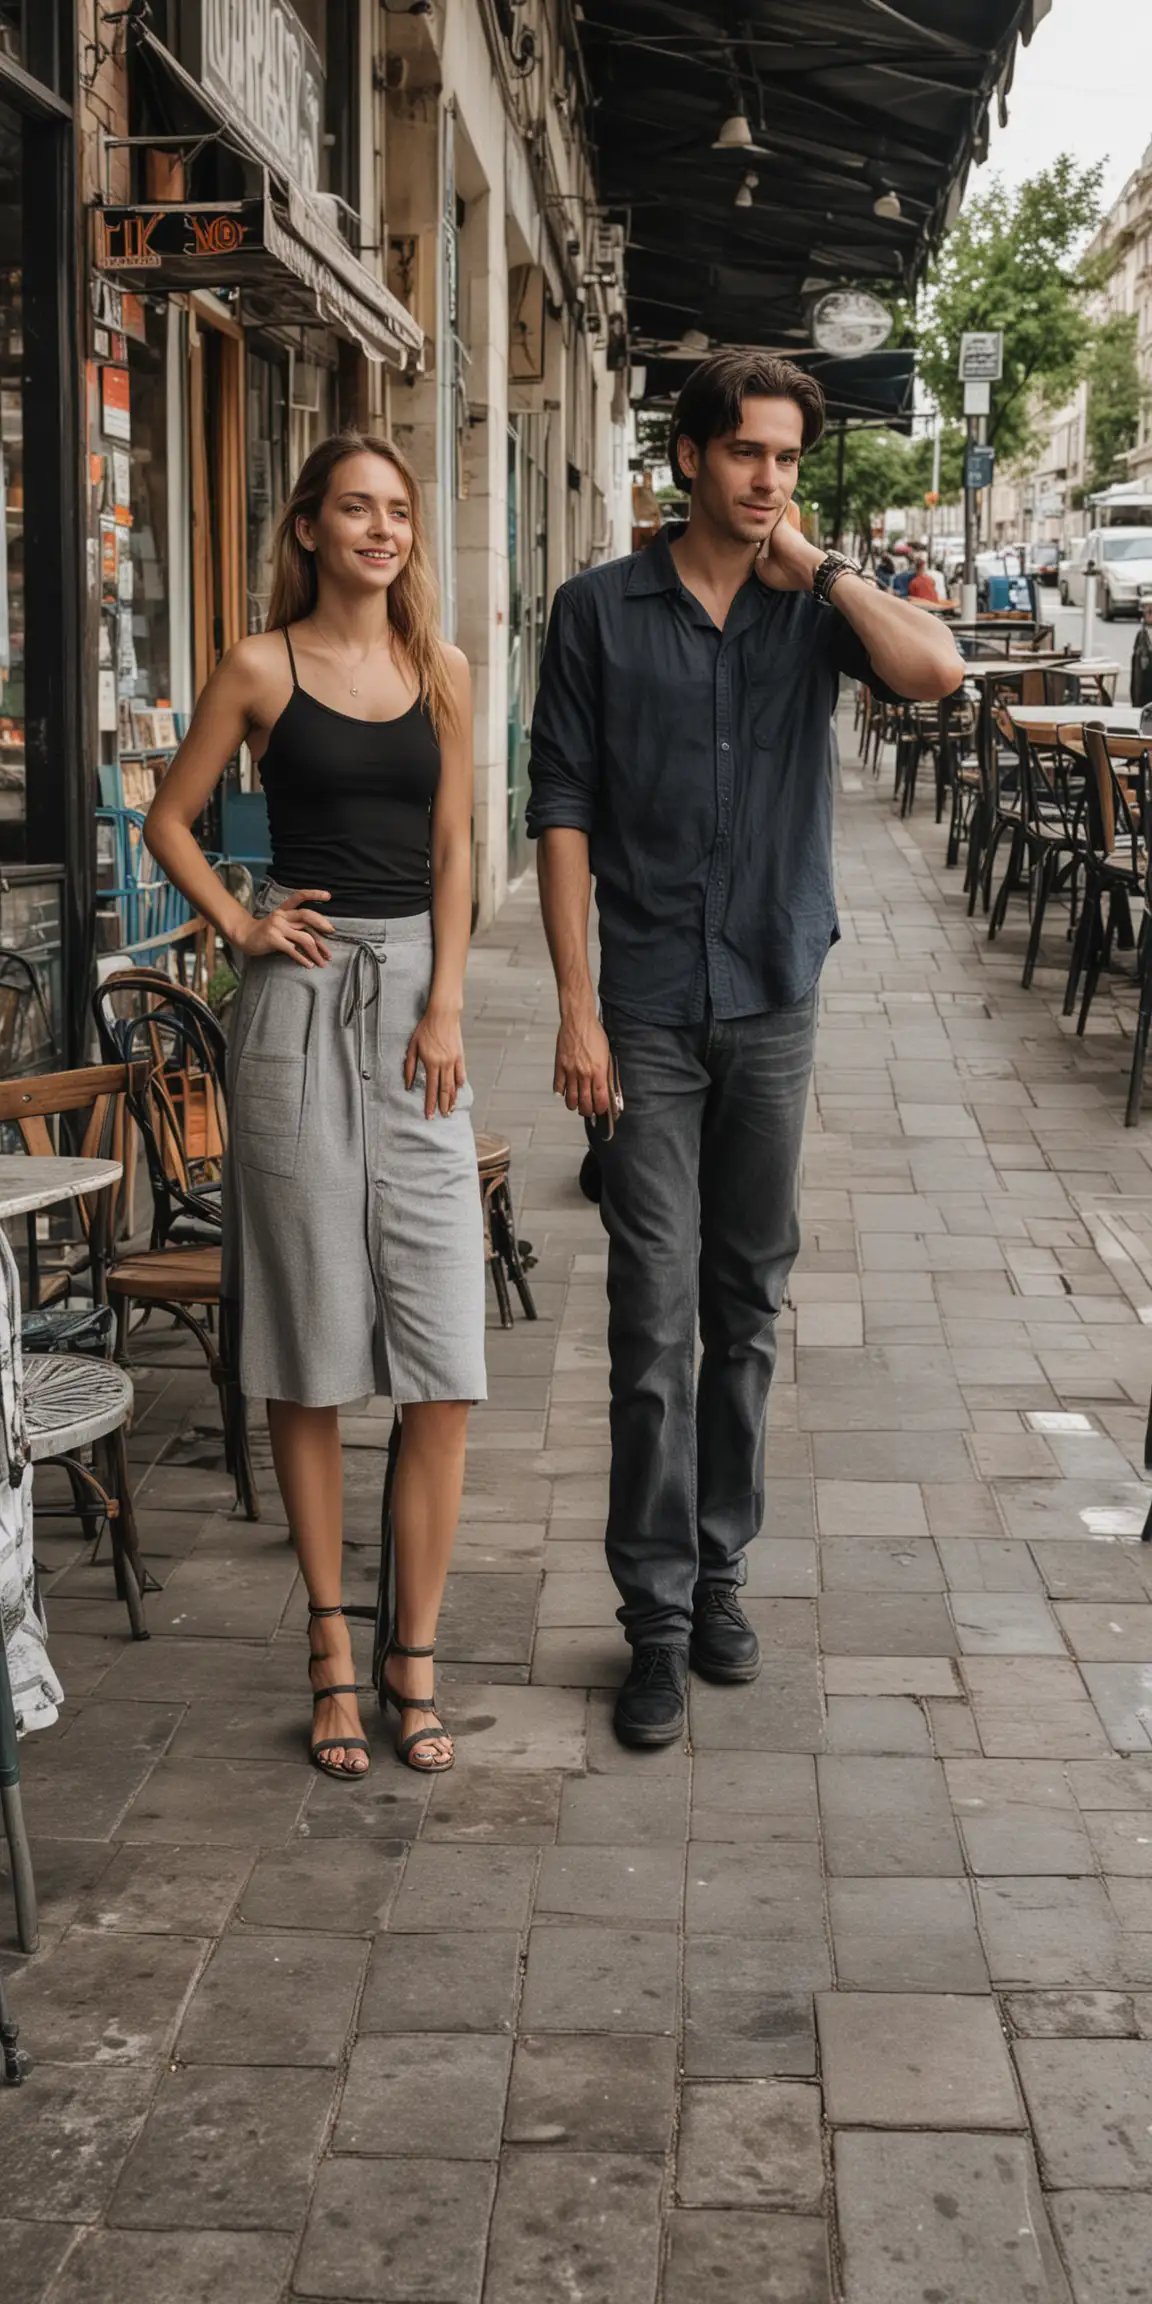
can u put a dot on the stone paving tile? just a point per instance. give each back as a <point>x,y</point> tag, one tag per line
<point>583,2225</point>
<point>30,2254</point>
<point>425,2096</point>
<point>604,2092</point>
<point>900,2060</point>
<point>62,2161</point>
<point>752,2144</point>
<point>108,1999</point>
<point>887,1817</point>
<point>1090,2103</point>
<point>390,2230</point>
<point>171,2268</point>
<point>274,1996</point>
<point>601,1979</point>
<point>776,2259</point>
<point>1050,1931</point>
<point>1070,2015</point>
<point>944,2216</point>
<point>229,2149</point>
<point>1107,2242</point>
<point>442,1982</point>
<point>905,1936</point>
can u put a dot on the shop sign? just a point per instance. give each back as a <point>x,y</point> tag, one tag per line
<point>145,239</point>
<point>981,356</point>
<point>263,71</point>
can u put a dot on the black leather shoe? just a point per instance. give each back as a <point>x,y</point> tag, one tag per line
<point>724,1645</point>
<point>652,1704</point>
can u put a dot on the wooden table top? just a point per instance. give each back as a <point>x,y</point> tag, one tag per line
<point>1044,719</point>
<point>29,1182</point>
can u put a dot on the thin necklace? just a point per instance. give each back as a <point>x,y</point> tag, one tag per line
<point>353,690</point>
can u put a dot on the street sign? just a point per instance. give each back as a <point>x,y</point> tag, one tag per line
<point>981,356</point>
<point>977,396</point>
<point>979,465</point>
<point>931,496</point>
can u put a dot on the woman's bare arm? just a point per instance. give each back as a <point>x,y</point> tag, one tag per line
<point>227,709</point>
<point>437,1042</point>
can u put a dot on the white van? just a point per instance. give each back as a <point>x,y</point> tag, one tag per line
<point>1122,561</point>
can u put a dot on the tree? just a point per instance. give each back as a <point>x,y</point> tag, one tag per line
<point>1011,262</point>
<point>875,476</point>
<point>1115,397</point>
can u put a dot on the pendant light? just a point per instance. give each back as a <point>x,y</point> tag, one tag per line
<point>735,134</point>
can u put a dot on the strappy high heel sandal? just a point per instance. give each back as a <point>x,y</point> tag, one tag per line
<point>405,1745</point>
<point>320,1696</point>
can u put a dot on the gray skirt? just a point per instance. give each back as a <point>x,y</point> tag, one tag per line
<point>353,1233</point>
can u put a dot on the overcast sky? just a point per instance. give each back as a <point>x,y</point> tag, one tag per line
<point>1085,87</point>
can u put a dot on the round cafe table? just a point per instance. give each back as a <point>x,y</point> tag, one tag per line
<point>29,1689</point>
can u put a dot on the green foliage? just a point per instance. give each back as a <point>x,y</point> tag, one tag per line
<point>1115,397</point>
<point>880,469</point>
<point>1011,262</point>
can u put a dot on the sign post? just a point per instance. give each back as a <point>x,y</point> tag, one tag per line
<point>981,366</point>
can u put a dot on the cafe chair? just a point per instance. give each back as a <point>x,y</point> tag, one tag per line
<point>1114,862</point>
<point>181,1112</point>
<point>507,1258</point>
<point>75,1406</point>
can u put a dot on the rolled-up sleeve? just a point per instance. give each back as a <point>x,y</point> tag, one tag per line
<point>564,769</point>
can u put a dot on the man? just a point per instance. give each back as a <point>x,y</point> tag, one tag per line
<point>1141,680</point>
<point>921,587</point>
<point>681,753</point>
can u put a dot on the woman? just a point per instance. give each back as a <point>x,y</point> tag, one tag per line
<point>352,1232</point>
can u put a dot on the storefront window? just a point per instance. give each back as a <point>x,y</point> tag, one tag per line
<point>11,480</point>
<point>148,469</point>
<point>266,464</point>
<point>12,30</point>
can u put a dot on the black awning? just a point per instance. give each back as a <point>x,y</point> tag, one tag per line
<point>873,388</point>
<point>842,102</point>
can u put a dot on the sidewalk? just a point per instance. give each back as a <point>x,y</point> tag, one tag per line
<point>512,2037</point>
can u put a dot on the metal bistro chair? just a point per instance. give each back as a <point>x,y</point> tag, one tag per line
<point>72,1403</point>
<point>179,1107</point>
<point>182,1114</point>
<point>1046,833</point>
<point>1115,867</point>
<point>508,1258</point>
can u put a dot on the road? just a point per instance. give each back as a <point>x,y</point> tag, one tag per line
<point>1111,639</point>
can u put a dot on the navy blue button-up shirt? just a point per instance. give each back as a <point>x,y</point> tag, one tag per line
<point>700,765</point>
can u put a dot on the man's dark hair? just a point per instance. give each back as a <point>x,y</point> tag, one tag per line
<point>711,402</point>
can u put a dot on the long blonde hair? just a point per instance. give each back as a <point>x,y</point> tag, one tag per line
<point>412,600</point>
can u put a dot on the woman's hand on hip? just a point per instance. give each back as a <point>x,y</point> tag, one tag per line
<point>291,928</point>
<point>437,1048</point>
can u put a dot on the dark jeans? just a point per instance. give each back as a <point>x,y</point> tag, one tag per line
<point>699,1199</point>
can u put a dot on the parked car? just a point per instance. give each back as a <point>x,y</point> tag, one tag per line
<point>1042,561</point>
<point>1071,560</point>
<point>1121,559</point>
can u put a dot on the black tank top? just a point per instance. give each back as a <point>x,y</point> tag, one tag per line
<point>350,805</point>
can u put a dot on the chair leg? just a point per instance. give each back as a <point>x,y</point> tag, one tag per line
<point>500,1282</point>
<point>1044,880</point>
<point>23,1880</point>
<point>1080,947</point>
<point>1011,878</point>
<point>508,1248</point>
<point>234,1414</point>
<point>1140,1041</point>
<point>1094,961</point>
<point>131,1575</point>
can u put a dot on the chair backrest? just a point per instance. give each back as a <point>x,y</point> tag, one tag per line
<point>25,1025</point>
<point>1111,817</point>
<point>101,1091</point>
<point>180,1108</point>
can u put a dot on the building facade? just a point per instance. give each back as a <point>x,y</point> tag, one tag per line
<point>1048,500</point>
<point>229,227</point>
